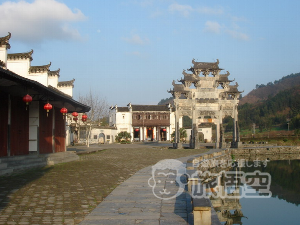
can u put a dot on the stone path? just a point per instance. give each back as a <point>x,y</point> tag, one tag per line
<point>66,193</point>
<point>133,202</point>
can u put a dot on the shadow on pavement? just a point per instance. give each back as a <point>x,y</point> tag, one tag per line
<point>9,184</point>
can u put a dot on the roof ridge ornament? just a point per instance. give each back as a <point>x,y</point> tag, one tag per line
<point>5,40</point>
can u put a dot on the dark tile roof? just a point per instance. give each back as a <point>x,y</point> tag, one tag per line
<point>24,55</point>
<point>14,83</point>
<point>206,65</point>
<point>123,109</point>
<point>54,73</point>
<point>66,83</point>
<point>39,69</point>
<point>150,108</point>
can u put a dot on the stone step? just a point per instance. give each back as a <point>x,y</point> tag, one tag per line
<point>6,171</point>
<point>61,158</point>
<point>3,166</point>
<point>26,162</point>
<point>26,166</point>
<point>18,158</point>
<point>13,163</point>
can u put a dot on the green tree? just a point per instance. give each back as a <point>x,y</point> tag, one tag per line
<point>124,135</point>
<point>182,135</point>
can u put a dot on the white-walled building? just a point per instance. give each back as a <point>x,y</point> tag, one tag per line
<point>20,63</point>
<point>144,122</point>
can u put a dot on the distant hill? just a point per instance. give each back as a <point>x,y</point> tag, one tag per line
<point>275,111</point>
<point>263,92</point>
<point>166,101</point>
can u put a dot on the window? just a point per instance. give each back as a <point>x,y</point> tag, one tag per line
<point>108,137</point>
<point>95,136</point>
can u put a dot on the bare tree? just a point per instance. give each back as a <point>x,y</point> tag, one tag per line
<point>99,106</point>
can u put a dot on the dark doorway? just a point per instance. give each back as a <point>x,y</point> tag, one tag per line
<point>150,133</point>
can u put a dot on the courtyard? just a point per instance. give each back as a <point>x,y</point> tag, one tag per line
<point>65,193</point>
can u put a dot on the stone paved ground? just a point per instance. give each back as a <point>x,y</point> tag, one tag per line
<point>66,193</point>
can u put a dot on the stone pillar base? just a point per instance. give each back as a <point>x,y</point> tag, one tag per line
<point>236,144</point>
<point>197,145</point>
<point>222,144</point>
<point>177,145</point>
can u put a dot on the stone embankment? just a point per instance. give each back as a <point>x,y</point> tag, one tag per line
<point>218,160</point>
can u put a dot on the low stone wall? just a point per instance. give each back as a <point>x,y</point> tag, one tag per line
<point>267,150</point>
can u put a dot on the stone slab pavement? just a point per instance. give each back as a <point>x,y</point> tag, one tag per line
<point>133,202</point>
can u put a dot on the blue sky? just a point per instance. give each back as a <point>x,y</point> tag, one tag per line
<point>131,51</point>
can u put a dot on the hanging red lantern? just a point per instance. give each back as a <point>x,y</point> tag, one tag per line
<point>75,114</point>
<point>27,99</point>
<point>47,107</point>
<point>137,129</point>
<point>84,117</point>
<point>64,111</point>
<point>164,129</point>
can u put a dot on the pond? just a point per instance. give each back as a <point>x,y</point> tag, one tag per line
<point>248,203</point>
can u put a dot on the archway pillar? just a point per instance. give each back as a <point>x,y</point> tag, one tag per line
<point>177,144</point>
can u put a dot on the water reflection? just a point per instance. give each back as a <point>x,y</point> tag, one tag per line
<point>233,207</point>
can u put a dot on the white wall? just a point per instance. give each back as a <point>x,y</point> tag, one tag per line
<point>19,66</point>
<point>3,54</point>
<point>207,131</point>
<point>67,90</point>
<point>123,120</point>
<point>98,131</point>
<point>33,126</point>
<point>39,77</point>
<point>52,80</point>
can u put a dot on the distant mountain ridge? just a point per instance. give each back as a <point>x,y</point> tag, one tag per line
<point>263,92</point>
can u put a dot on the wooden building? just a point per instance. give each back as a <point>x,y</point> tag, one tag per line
<point>25,125</point>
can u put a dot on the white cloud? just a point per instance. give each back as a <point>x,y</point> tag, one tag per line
<point>136,40</point>
<point>238,35</point>
<point>212,27</point>
<point>209,10</point>
<point>184,10</point>
<point>40,20</point>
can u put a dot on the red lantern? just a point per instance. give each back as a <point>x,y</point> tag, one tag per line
<point>164,129</point>
<point>75,114</point>
<point>64,111</point>
<point>47,107</point>
<point>27,99</point>
<point>75,119</point>
<point>84,117</point>
<point>136,129</point>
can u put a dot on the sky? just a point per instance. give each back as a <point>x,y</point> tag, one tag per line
<point>131,50</point>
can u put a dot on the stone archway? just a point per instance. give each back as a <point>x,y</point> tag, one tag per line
<point>207,102</point>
